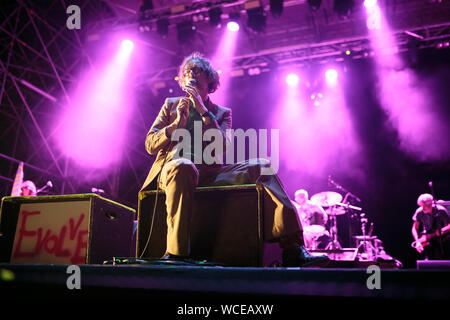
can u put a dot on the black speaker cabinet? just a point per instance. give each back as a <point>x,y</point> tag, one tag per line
<point>227,226</point>
<point>66,229</point>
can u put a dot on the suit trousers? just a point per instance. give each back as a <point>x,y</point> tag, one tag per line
<point>179,178</point>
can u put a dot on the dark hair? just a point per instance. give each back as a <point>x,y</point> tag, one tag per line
<point>196,59</point>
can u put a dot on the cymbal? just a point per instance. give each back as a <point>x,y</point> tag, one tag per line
<point>335,211</point>
<point>326,198</point>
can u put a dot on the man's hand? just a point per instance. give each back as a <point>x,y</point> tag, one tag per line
<point>182,113</point>
<point>181,119</point>
<point>196,99</point>
<point>418,246</point>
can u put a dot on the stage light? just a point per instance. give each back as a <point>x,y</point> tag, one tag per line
<point>215,16</point>
<point>233,26</point>
<point>316,97</point>
<point>331,76</point>
<point>256,19</point>
<point>315,4</point>
<point>198,17</point>
<point>144,27</point>
<point>127,45</point>
<point>254,71</point>
<point>292,79</point>
<point>142,15</point>
<point>370,3</point>
<point>276,8</point>
<point>185,31</point>
<point>374,15</point>
<point>343,7</point>
<point>162,27</point>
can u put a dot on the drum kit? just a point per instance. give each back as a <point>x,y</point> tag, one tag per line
<point>333,206</point>
<point>368,246</point>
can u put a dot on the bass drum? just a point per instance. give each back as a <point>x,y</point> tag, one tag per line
<point>315,233</point>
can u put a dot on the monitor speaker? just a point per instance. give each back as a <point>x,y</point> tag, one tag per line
<point>66,229</point>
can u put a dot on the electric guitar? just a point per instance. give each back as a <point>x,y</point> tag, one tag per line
<point>424,240</point>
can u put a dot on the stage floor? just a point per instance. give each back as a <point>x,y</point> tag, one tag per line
<point>183,283</point>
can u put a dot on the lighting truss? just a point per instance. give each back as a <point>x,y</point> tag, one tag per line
<point>40,61</point>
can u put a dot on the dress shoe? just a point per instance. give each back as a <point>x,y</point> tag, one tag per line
<point>175,259</point>
<point>169,256</point>
<point>300,257</point>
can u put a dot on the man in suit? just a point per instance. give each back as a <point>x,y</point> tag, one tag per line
<point>178,175</point>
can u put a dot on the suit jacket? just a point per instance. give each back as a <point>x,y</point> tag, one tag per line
<point>157,141</point>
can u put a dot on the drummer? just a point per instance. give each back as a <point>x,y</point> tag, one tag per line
<point>310,214</point>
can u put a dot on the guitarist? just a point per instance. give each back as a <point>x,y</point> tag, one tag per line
<point>431,229</point>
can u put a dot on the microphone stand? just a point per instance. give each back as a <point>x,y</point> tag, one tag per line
<point>346,204</point>
<point>48,185</point>
<point>339,187</point>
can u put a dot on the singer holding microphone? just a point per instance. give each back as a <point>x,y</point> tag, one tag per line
<point>179,176</point>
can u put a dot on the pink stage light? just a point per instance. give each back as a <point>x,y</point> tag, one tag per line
<point>370,3</point>
<point>331,76</point>
<point>222,61</point>
<point>292,80</point>
<point>98,113</point>
<point>317,121</point>
<point>404,97</point>
<point>373,15</point>
<point>233,26</point>
<point>127,45</point>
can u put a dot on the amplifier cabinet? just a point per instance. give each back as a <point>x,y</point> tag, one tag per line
<point>226,228</point>
<point>65,229</point>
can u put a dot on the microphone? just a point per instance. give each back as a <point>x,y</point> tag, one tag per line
<point>49,185</point>
<point>193,83</point>
<point>430,184</point>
